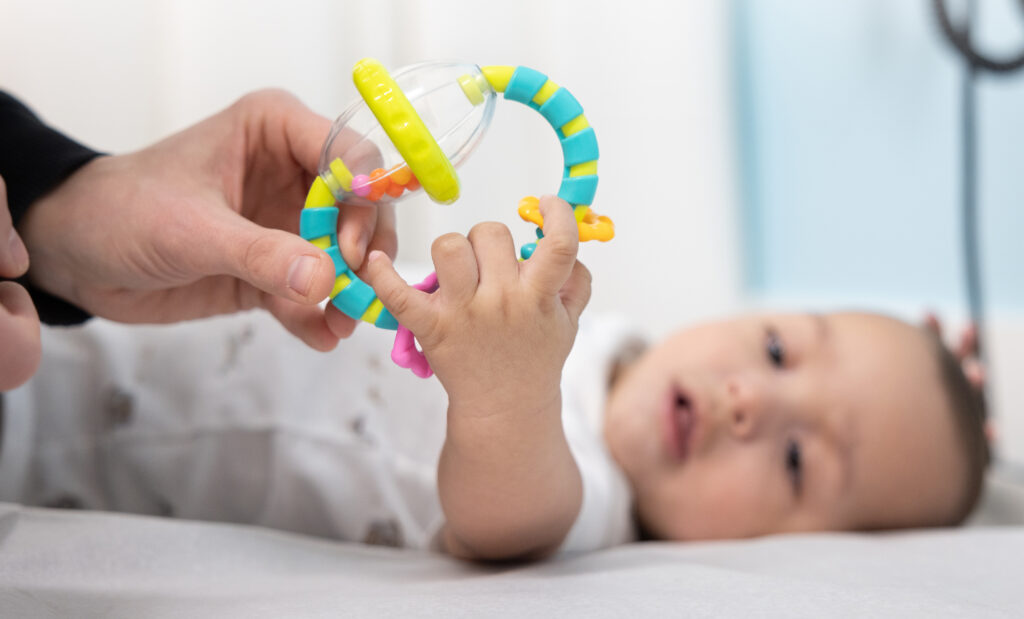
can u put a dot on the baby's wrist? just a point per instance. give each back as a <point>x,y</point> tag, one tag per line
<point>497,406</point>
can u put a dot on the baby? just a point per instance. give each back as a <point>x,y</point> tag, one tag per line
<point>741,428</point>
<point>757,425</point>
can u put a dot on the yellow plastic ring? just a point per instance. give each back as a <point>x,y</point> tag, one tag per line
<point>407,131</point>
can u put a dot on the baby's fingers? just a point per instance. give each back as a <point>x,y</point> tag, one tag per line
<point>552,262</point>
<point>409,306</point>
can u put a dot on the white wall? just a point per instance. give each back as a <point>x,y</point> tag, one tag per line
<point>652,77</point>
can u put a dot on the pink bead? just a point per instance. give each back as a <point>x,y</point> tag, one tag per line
<point>361,185</point>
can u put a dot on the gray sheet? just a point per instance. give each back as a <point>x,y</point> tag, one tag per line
<point>91,564</point>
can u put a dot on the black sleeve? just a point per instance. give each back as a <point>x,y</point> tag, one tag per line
<point>33,160</point>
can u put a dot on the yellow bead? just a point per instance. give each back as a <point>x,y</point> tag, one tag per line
<point>584,169</point>
<point>545,92</point>
<point>323,242</point>
<point>575,125</point>
<point>340,284</point>
<point>373,312</point>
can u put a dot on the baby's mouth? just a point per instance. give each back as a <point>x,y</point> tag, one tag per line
<point>680,420</point>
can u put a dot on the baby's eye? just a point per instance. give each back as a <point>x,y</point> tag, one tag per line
<point>794,465</point>
<point>774,348</point>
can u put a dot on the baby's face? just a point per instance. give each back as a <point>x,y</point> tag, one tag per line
<point>795,422</point>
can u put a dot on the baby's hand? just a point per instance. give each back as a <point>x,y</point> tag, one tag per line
<point>498,330</point>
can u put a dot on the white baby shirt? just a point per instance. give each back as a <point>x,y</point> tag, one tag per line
<point>232,419</point>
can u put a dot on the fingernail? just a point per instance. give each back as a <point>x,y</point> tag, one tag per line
<point>374,255</point>
<point>19,255</point>
<point>300,274</point>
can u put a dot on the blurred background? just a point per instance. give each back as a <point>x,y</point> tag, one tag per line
<point>772,153</point>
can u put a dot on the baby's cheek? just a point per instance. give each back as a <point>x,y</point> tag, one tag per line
<point>730,498</point>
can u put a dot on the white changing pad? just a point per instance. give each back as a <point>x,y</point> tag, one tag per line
<point>91,564</point>
<point>59,563</point>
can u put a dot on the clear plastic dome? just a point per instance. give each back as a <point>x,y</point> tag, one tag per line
<point>454,101</point>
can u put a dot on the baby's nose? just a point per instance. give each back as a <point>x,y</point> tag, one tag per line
<point>744,407</point>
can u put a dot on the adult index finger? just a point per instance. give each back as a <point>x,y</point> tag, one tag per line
<point>13,255</point>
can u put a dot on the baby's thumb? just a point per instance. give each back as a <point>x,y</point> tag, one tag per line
<point>575,293</point>
<point>403,301</point>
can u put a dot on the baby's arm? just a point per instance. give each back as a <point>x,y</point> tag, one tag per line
<point>497,334</point>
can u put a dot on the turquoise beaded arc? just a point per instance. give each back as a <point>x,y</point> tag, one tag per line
<point>410,154</point>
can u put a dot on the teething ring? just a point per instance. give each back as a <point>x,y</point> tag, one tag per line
<point>426,163</point>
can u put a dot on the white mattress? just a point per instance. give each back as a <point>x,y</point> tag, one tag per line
<point>91,564</point>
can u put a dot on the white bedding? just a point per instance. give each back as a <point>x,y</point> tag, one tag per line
<point>63,563</point>
<point>92,564</point>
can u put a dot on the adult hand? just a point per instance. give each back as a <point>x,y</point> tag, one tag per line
<point>19,323</point>
<point>203,223</point>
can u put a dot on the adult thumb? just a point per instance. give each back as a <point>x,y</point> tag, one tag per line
<point>275,261</point>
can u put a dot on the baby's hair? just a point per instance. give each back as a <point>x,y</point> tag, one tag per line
<point>968,407</point>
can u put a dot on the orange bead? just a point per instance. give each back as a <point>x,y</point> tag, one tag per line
<point>413,183</point>
<point>379,177</point>
<point>394,190</point>
<point>401,174</point>
<point>379,183</point>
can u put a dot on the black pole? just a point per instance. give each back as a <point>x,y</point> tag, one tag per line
<point>969,186</point>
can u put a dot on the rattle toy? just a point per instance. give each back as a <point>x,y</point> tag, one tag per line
<point>409,132</point>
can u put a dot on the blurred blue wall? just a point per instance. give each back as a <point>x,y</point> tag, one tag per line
<point>848,116</point>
